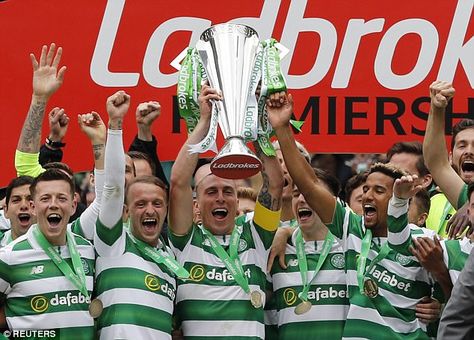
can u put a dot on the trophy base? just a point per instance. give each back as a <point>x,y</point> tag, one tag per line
<point>235,161</point>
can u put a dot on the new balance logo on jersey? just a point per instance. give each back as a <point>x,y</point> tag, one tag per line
<point>384,276</point>
<point>37,269</point>
<point>293,263</point>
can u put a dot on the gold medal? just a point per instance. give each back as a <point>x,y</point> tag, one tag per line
<point>95,308</point>
<point>256,299</point>
<point>303,307</point>
<point>370,288</point>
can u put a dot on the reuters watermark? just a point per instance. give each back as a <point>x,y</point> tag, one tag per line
<point>30,333</point>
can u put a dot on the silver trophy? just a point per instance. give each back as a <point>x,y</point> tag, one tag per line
<point>228,53</point>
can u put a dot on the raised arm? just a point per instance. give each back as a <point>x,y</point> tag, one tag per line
<point>181,197</point>
<point>51,151</point>
<point>46,81</point>
<point>434,145</point>
<point>147,113</point>
<point>314,191</point>
<point>399,233</point>
<point>94,128</point>
<point>428,252</point>
<point>113,192</point>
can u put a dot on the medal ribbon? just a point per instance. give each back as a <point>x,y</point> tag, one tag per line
<point>232,262</point>
<point>76,277</point>
<point>303,264</point>
<point>159,256</point>
<point>364,252</point>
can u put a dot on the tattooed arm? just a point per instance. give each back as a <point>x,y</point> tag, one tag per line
<point>272,181</point>
<point>46,81</point>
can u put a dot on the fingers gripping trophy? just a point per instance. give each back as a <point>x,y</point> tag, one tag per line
<point>233,60</point>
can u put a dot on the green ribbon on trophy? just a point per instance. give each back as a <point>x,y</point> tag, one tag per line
<point>266,72</point>
<point>272,82</point>
<point>189,82</point>
<point>191,76</point>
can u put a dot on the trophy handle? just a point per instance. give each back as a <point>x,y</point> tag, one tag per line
<point>235,161</point>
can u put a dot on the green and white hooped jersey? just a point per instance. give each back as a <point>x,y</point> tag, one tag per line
<point>211,303</point>
<point>6,238</point>
<point>401,280</point>
<point>327,294</point>
<point>38,295</point>
<point>137,294</point>
<point>455,253</point>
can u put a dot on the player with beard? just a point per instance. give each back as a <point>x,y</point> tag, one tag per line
<point>453,172</point>
<point>135,269</point>
<point>226,257</point>
<point>384,286</point>
<point>316,271</point>
<point>18,208</point>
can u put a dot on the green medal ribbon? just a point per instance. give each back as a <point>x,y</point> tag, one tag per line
<point>232,262</point>
<point>76,277</point>
<point>362,260</point>
<point>160,256</point>
<point>303,264</point>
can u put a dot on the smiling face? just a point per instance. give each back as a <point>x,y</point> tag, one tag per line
<point>19,210</point>
<point>147,207</point>
<point>462,156</point>
<point>217,203</point>
<point>377,191</point>
<point>53,206</point>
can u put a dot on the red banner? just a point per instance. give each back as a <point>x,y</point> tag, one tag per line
<point>359,70</point>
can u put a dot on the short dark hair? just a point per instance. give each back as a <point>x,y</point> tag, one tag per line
<point>423,200</point>
<point>460,126</point>
<point>414,148</point>
<point>387,169</point>
<point>59,165</point>
<point>54,174</point>
<point>15,183</point>
<point>143,156</point>
<point>148,180</point>
<point>331,181</point>
<point>353,183</point>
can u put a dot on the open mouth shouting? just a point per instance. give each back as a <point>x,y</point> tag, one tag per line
<point>467,168</point>
<point>25,219</point>
<point>220,214</point>
<point>304,214</point>
<point>150,224</point>
<point>54,219</point>
<point>370,213</point>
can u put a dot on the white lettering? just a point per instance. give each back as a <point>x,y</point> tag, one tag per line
<point>383,61</point>
<point>99,69</point>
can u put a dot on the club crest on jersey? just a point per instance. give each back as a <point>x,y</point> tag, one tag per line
<point>85,266</point>
<point>293,263</point>
<point>242,245</point>
<point>338,261</point>
<point>402,259</point>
